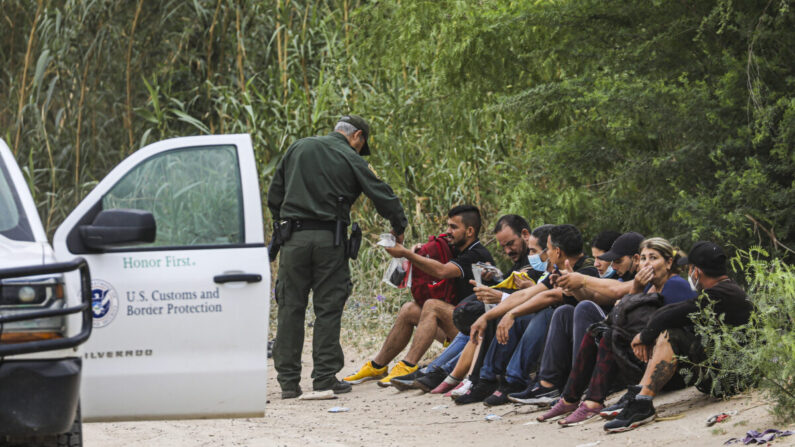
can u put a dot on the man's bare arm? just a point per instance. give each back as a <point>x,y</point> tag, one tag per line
<point>602,291</point>
<point>515,299</point>
<point>607,291</point>
<point>601,299</point>
<point>427,265</point>
<point>538,302</point>
<point>534,304</point>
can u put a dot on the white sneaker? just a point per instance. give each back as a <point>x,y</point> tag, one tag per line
<point>463,389</point>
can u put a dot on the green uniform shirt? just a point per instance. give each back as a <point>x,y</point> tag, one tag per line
<point>316,170</point>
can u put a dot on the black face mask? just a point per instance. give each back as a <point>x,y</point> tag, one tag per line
<point>628,276</point>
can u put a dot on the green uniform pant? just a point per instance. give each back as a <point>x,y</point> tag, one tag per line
<point>309,261</point>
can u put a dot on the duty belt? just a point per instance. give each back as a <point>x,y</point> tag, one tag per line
<point>307,224</point>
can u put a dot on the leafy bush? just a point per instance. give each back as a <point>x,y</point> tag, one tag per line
<point>763,351</point>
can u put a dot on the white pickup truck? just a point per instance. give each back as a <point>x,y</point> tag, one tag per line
<point>179,294</point>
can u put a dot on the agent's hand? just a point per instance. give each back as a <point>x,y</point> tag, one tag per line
<point>642,352</point>
<point>504,327</point>
<point>398,251</point>
<point>477,330</point>
<point>398,237</point>
<point>487,295</point>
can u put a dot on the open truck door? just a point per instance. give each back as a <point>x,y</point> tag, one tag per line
<point>180,283</point>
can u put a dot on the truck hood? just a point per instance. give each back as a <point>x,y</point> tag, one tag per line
<point>22,253</point>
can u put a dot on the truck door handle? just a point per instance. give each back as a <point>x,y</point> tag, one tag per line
<point>237,277</point>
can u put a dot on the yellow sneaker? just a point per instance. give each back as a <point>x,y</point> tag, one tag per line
<point>367,372</point>
<point>400,369</point>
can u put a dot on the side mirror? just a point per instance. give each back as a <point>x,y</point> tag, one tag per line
<point>118,227</point>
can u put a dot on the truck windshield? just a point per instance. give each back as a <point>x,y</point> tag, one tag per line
<point>13,222</point>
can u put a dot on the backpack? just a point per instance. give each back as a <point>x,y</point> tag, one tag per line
<point>425,287</point>
<point>625,320</point>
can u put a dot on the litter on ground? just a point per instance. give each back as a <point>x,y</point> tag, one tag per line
<point>754,437</point>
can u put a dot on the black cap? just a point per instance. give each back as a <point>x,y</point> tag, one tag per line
<point>627,244</point>
<point>359,123</point>
<point>707,256</point>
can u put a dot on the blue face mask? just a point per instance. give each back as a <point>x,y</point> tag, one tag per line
<point>537,264</point>
<point>609,272</point>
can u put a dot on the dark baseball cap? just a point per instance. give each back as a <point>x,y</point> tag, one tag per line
<point>707,256</point>
<point>627,244</point>
<point>359,123</point>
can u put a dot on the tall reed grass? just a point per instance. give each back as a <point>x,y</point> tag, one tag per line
<point>85,84</point>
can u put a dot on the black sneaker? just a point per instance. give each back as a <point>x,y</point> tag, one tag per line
<point>431,380</point>
<point>340,387</point>
<point>479,391</point>
<point>291,393</point>
<point>406,381</point>
<point>500,397</point>
<point>535,394</point>
<point>613,410</point>
<point>636,413</point>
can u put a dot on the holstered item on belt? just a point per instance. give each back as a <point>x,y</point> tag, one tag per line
<point>273,249</point>
<point>285,230</point>
<point>339,233</point>
<point>354,242</point>
<point>282,230</point>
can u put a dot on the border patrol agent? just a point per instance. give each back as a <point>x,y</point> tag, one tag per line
<point>313,188</point>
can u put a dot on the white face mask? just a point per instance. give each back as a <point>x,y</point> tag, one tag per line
<point>693,283</point>
<point>536,263</point>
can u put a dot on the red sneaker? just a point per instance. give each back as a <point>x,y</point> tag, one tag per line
<point>444,387</point>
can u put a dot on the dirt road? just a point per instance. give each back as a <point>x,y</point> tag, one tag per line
<point>385,417</point>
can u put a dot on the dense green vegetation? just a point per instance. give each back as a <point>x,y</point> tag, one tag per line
<point>674,119</point>
<point>762,351</point>
<point>668,118</point>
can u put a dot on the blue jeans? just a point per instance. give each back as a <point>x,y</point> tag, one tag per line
<point>449,357</point>
<point>568,326</point>
<point>517,358</point>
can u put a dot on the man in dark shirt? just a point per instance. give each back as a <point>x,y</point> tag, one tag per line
<point>463,227</point>
<point>669,333</point>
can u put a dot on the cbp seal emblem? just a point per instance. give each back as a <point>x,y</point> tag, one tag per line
<point>104,303</point>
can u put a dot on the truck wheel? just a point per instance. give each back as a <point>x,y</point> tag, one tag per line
<point>72,438</point>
